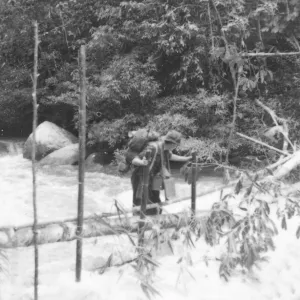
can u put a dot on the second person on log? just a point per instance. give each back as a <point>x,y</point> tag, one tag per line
<point>159,168</point>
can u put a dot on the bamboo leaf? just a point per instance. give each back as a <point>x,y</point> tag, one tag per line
<point>267,208</point>
<point>264,258</point>
<point>228,196</point>
<point>145,290</point>
<point>238,187</point>
<point>121,210</point>
<point>171,247</point>
<point>237,224</point>
<point>270,172</point>
<point>250,259</point>
<point>191,274</point>
<point>243,208</point>
<point>221,194</point>
<point>153,290</point>
<point>107,264</point>
<point>274,226</point>
<point>149,260</point>
<point>283,223</point>
<point>298,232</point>
<point>190,240</point>
<point>249,190</point>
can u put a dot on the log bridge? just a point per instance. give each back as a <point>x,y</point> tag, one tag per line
<point>95,225</point>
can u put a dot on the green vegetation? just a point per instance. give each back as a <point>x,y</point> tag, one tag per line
<point>164,64</point>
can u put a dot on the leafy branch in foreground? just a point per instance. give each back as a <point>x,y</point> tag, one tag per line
<point>240,220</point>
<point>3,262</point>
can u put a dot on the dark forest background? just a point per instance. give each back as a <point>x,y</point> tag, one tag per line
<point>163,64</point>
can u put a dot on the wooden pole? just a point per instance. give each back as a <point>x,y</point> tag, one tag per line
<point>34,125</point>
<point>82,135</point>
<point>145,197</point>
<point>193,185</point>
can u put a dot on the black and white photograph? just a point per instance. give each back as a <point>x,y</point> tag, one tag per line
<point>150,149</point>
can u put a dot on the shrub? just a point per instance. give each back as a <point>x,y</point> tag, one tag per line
<point>206,149</point>
<point>115,132</point>
<point>164,123</point>
<point>16,110</point>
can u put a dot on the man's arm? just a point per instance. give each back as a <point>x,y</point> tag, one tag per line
<point>140,162</point>
<point>179,158</point>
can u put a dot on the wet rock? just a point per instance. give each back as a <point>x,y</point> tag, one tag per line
<point>98,158</point>
<point>3,148</point>
<point>49,137</point>
<point>68,155</point>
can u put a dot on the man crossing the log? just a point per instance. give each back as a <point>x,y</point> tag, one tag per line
<point>161,154</point>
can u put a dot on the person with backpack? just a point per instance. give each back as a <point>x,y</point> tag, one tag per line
<point>159,168</point>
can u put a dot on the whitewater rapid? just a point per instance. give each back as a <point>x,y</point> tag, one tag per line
<point>57,198</point>
<point>57,190</point>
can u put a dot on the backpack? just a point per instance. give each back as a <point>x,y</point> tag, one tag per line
<point>136,145</point>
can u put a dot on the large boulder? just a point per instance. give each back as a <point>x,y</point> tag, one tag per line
<point>49,137</point>
<point>68,155</point>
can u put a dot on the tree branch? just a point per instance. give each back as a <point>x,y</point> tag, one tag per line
<point>261,143</point>
<point>275,118</point>
<point>235,80</point>
<point>265,54</point>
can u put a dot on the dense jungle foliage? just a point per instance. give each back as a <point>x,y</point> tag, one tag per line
<point>157,63</point>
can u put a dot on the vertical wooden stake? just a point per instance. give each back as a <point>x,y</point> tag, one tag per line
<point>193,186</point>
<point>82,135</point>
<point>144,199</point>
<point>34,125</point>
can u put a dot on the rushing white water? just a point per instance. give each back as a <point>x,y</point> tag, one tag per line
<point>57,199</point>
<point>57,189</point>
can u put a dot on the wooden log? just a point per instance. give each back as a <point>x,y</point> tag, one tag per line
<point>287,167</point>
<point>64,232</point>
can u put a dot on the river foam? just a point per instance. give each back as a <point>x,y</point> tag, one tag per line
<point>57,190</point>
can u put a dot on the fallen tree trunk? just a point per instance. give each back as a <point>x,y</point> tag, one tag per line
<point>277,120</point>
<point>287,167</point>
<point>64,232</point>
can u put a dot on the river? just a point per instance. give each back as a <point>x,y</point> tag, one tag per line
<point>57,200</point>
<point>57,188</point>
